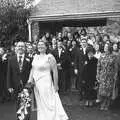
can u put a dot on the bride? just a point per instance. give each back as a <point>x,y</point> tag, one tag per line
<point>49,106</point>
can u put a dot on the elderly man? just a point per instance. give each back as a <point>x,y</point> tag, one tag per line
<point>18,71</point>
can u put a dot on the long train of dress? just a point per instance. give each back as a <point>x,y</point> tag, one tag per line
<point>49,106</point>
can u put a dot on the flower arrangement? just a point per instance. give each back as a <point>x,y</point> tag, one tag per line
<point>25,104</point>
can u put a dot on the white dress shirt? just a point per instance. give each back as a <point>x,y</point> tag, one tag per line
<point>22,59</point>
<point>84,50</point>
<point>59,51</point>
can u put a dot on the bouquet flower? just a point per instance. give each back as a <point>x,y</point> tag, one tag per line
<point>25,103</point>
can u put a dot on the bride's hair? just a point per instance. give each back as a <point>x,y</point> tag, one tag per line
<point>46,44</point>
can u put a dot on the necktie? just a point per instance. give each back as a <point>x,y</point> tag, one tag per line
<point>20,62</point>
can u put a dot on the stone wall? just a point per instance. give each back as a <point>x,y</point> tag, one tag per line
<point>113,25</point>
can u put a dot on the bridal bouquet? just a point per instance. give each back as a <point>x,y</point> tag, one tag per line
<point>25,104</point>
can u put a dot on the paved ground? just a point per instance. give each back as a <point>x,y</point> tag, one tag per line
<point>74,109</point>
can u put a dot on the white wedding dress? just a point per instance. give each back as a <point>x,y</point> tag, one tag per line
<point>49,106</point>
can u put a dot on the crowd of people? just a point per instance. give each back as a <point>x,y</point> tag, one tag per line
<point>88,62</point>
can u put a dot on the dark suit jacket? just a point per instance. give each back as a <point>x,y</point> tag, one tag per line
<point>1,76</point>
<point>80,60</point>
<point>73,54</point>
<point>3,73</point>
<point>63,59</point>
<point>89,72</point>
<point>15,78</point>
<point>30,57</point>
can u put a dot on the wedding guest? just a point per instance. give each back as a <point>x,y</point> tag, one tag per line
<point>68,44</point>
<point>118,82</point>
<point>69,35</point>
<point>89,76</point>
<point>59,36</point>
<point>97,51</point>
<point>68,66</point>
<point>12,51</point>
<point>80,61</point>
<point>97,55</point>
<point>54,43</point>
<point>2,80</point>
<point>61,59</point>
<point>106,76</point>
<point>48,37</point>
<point>30,53</point>
<point>106,38</point>
<point>115,49</point>
<point>83,32</point>
<point>64,43</point>
<point>65,35</point>
<point>73,51</point>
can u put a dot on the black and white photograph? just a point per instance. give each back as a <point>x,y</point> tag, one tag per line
<point>59,59</point>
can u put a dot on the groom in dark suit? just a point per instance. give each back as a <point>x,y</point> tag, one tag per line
<point>18,71</point>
